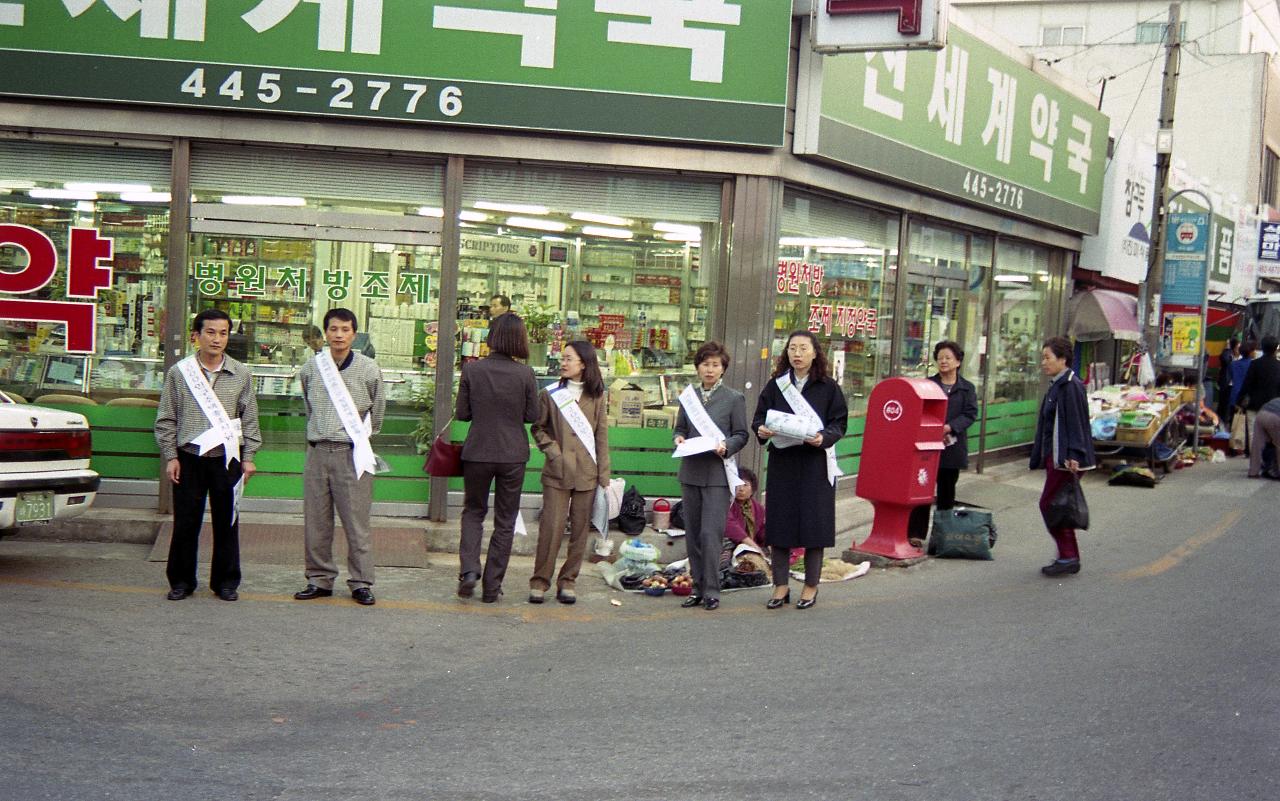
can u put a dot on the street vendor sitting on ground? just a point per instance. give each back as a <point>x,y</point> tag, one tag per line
<point>745,523</point>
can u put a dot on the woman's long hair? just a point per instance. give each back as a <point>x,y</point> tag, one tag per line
<point>507,335</point>
<point>592,380</point>
<point>818,371</point>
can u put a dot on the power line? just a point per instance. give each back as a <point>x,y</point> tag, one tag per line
<point>1137,101</point>
<point>1087,48</point>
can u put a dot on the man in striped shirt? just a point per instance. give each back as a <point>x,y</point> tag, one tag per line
<point>193,443</point>
<point>330,478</point>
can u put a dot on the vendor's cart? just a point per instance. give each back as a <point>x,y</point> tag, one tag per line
<point>1155,439</point>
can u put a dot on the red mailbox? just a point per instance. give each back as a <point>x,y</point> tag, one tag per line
<point>898,470</point>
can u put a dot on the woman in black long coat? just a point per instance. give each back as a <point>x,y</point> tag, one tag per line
<point>800,493</point>
<point>962,410</point>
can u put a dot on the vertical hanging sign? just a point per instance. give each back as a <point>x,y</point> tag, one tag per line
<point>1182,299</point>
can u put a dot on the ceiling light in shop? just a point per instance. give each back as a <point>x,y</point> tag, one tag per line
<point>676,237</point>
<point>852,251</point>
<point>816,242</point>
<point>611,233</point>
<point>61,194</point>
<point>115,189</point>
<point>1014,279</point>
<point>603,219</point>
<point>85,206</point>
<point>513,208</point>
<point>678,228</point>
<point>430,211</point>
<point>262,200</point>
<point>8,183</point>
<point>536,224</point>
<point>146,197</point>
<point>473,216</point>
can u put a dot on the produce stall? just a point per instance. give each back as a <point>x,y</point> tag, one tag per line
<point>1133,422</point>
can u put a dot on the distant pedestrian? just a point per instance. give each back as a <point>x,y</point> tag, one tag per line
<point>1063,445</point>
<point>573,433</point>
<point>1229,353</point>
<point>207,430</point>
<point>800,488</point>
<point>498,396</point>
<point>962,411</point>
<point>1239,369</point>
<point>345,401</point>
<point>708,480</point>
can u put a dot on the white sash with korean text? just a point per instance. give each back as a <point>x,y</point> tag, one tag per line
<point>224,431</point>
<point>577,421</point>
<point>702,421</point>
<point>358,430</point>
<point>792,395</point>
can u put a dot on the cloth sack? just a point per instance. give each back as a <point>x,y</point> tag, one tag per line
<point>444,460</point>
<point>1239,431</point>
<point>962,533</point>
<point>1067,508</point>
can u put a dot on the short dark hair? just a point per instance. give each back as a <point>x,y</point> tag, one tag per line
<point>1250,345</point>
<point>503,299</point>
<point>197,325</point>
<point>1061,347</point>
<point>818,371</point>
<point>951,345</point>
<point>592,380</point>
<point>749,477</point>
<point>709,350</point>
<point>507,335</point>
<point>345,315</point>
<point>1269,346</point>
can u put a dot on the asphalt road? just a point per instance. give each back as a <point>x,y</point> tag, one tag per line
<point>1151,675</point>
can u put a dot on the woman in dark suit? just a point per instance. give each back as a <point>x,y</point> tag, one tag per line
<point>962,410</point>
<point>800,487</point>
<point>499,396</point>
<point>704,481</point>
<point>1063,445</point>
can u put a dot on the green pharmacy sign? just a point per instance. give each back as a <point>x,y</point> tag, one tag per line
<point>967,121</point>
<point>700,70</point>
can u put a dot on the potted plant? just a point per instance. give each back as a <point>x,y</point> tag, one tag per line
<point>538,319</point>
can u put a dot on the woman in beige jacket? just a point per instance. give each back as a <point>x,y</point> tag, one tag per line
<point>571,431</point>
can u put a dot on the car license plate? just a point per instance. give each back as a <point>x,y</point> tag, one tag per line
<point>34,507</point>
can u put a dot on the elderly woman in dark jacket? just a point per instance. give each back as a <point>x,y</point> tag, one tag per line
<point>1063,445</point>
<point>962,410</point>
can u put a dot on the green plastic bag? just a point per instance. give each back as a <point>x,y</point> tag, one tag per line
<point>962,533</point>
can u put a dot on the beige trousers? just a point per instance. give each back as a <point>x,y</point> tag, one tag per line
<point>329,483</point>
<point>558,506</point>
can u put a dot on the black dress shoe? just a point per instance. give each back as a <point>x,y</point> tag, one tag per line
<point>311,591</point>
<point>178,593</point>
<point>776,603</point>
<point>363,596</point>
<point>490,597</point>
<point>1056,568</point>
<point>467,584</point>
<point>228,594</point>
<point>692,600</point>
<point>711,603</point>
<point>807,603</point>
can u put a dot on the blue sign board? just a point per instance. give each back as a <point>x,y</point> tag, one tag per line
<point>1186,260</point>
<point>1269,241</point>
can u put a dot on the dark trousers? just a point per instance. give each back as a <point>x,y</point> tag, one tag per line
<point>506,478</point>
<point>201,477</point>
<point>780,562</point>
<point>705,512</point>
<point>918,523</point>
<point>1065,538</point>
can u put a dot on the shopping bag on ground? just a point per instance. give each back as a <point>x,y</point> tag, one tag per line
<point>1239,429</point>
<point>1067,508</point>
<point>962,533</point>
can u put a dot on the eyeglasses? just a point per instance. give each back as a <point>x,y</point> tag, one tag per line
<point>805,348</point>
<point>567,358</point>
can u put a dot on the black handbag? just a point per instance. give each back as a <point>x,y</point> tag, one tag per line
<point>1067,508</point>
<point>962,533</point>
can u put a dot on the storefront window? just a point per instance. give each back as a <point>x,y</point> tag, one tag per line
<point>1021,296</point>
<point>124,195</point>
<point>837,266</point>
<point>623,261</point>
<point>946,276</point>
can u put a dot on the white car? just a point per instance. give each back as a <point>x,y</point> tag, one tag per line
<point>44,465</point>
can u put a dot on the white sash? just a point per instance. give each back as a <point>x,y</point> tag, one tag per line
<point>358,430</point>
<point>224,431</point>
<point>707,427</point>
<point>791,394</point>
<point>575,418</point>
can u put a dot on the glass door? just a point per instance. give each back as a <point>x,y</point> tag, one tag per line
<point>945,290</point>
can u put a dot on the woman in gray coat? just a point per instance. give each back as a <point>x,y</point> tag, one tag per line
<point>704,482</point>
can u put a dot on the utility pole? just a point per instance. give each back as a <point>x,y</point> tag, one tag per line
<point>1151,288</point>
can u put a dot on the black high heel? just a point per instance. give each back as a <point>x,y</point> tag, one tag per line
<point>691,601</point>
<point>807,603</point>
<point>776,603</point>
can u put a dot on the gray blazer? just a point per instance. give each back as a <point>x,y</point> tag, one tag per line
<point>728,410</point>
<point>498,395</point>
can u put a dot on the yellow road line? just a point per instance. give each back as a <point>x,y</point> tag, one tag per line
<point>1178,555</point>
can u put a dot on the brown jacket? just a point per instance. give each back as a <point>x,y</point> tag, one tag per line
<point>569,465</point>
<point>498,395</point>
